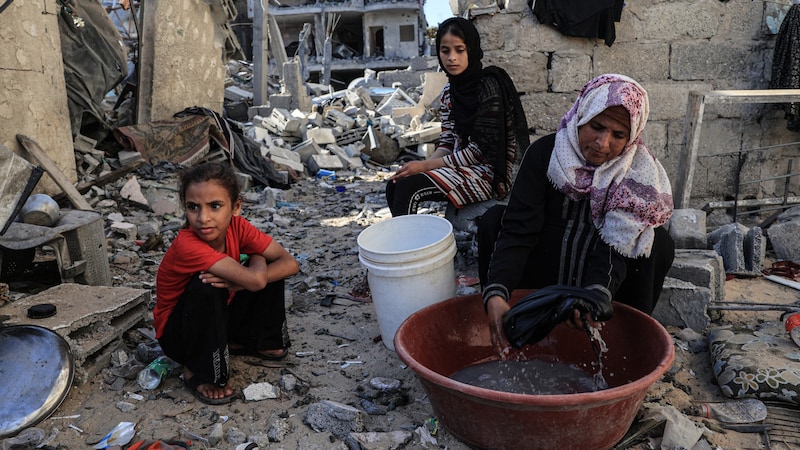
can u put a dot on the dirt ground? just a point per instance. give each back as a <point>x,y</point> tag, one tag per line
<point>336,350</point>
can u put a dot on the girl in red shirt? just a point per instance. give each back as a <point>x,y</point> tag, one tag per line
<point>209,303</point>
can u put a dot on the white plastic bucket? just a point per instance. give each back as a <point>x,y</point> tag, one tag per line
<point>409,262</point>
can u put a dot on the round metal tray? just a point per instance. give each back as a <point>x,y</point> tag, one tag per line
<point>37,369</point>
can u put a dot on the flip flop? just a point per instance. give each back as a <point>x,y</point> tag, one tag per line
<point>256,354</point>
<point>193,383</point>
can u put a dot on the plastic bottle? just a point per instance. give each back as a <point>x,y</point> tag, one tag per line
<point>747,410</point>
<point>150,377</point>
<point>792,325</point>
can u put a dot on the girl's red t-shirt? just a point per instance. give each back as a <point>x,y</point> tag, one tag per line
<point>188,255</point>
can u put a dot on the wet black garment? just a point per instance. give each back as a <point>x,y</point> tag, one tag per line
<point>786,64</point>
<point>582,18</point>
<point>534,316</point>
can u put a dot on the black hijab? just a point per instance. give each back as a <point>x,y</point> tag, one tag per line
<point>464,88</point>
<point>471,119</point>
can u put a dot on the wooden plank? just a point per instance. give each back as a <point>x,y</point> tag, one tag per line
<point>55,173</point>
<point>682,189</point>
<point>104,179</point>
<point>749,203</point>
<point>753,96</point>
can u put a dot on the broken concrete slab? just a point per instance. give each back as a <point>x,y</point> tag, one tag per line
<point>684,305</point>
<point>92,319</point>
<point>334,417</point>
<point>430,133</point>
<point>329,162</point>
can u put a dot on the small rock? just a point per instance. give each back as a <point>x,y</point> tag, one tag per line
<point>385,385</point>
<point>125,406</point>
<point>235,436</point>
<point>278,430</point>
<point>261,391</point>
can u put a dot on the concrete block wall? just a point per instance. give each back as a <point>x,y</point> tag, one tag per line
<point>671,48</point>
<point>33,96</point>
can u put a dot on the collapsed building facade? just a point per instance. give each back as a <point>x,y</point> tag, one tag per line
<point>342,38</point>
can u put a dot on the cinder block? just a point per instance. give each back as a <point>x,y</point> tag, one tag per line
<point>700,268</point>
<point>687,227</point>
<point>755,250</point>
<point>683,305</point>
<point>321,136</point>
<point>329,162</point>
<point>92,319</point>
<point>235,93</point>
<point>284,153</point>
<point>412,138</point>
<point>338,118</point>
<point>348,161</point>
<point>258,110</point>
<point>728,241</point>
<point>785,239</point>
<point>306,149</point>
<point>289,163</point>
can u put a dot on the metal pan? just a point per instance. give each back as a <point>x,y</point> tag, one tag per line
<point>36,369</point>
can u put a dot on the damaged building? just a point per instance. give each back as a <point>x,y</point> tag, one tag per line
<point>341,37</point>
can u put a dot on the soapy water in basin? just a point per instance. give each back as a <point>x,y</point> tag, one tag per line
<point>533,377</point>
<point>538,377</point>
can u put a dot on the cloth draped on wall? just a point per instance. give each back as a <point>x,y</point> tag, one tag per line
<point>582,18</point>
<point>786,63</point>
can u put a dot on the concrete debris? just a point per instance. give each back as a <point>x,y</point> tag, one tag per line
<point>261,391</point>
<point>334,417</point>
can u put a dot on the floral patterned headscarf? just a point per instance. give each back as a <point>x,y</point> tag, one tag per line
<point>630,194</point>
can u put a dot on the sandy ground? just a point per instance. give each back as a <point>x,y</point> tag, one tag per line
<point>329,326</point>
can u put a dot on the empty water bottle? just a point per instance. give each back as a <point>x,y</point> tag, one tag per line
<point>150,377</point>
<point>746,410</point>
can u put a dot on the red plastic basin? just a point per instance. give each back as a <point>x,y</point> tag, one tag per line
<point>446,337</point>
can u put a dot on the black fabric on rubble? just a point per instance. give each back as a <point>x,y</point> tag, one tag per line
<point>786,64</point>
<point>246,152</point>
<point>534,316</point>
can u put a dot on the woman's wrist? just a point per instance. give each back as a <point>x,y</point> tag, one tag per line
<point>494,290</point>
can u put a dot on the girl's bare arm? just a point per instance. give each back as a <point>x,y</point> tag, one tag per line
<point>274,264</point>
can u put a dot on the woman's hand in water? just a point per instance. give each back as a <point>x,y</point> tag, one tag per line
<point>578,317</point>
<point>497,308</point>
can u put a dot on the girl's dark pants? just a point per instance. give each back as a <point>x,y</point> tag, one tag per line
<point>201,325</point>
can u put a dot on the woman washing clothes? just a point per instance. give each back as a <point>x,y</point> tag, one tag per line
<point>483,124</point>
<point>586,211</point>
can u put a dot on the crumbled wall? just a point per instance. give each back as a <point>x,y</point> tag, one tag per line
<point>671,48</point>
<point>33,97</point>
<point>184,58</point>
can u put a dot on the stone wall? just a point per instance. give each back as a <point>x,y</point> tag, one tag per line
<point>671,48</point>
<point>182,60</point>
<point>33,96</point>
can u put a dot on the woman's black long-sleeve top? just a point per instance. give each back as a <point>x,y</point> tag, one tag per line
<point>547,238</point>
